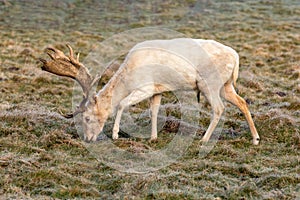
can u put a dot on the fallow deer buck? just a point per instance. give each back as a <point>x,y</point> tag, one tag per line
<point>151,68</point>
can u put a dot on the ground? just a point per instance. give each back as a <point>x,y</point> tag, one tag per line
<point>42,156</point>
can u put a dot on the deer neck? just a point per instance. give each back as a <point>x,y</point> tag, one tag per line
<point>113,93</point>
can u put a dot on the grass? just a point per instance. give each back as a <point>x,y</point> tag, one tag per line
<point>42,157</point>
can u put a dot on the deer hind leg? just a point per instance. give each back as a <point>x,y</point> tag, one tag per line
<point>133,98</point>
<point>230,95</point>
<point>155,103</point>
<point>216,103</point>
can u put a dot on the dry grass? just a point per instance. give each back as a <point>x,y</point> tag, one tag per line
<point>42,157</point>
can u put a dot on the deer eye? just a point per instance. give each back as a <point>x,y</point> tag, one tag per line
<point>87,119</point>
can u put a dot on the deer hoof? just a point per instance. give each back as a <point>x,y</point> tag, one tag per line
<point>153,140</point>
<point>115,136</point>
<point>256,141</point>
<point>204,140</point>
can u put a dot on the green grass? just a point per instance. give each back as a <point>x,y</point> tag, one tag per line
<point>42,157</point>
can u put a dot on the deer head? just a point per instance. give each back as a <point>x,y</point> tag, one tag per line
<point>69,66</point>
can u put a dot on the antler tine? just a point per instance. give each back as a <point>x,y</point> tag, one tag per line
<point>71,115</point>
<point>56,54</point>
<point>70,50</point>
<point>80,109</point>
<point>43,60</point>
<point>75,61</point>
<point>77,58</point>
<point>50,55</point>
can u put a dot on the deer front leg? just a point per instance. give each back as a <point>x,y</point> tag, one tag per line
<point>116,128</point>
<point>155,103</point>
<point>135,97</point>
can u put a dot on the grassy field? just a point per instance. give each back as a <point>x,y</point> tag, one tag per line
<point>42,156</point>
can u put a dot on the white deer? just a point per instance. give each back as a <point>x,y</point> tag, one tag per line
<point>151,68</point>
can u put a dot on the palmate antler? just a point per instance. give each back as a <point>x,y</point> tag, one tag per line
<point>68,66</point>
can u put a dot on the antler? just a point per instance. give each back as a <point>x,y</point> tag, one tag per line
<point>68,66</point>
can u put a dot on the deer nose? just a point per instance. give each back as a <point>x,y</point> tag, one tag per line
<point>88,139</point>
<point>92,138</point>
